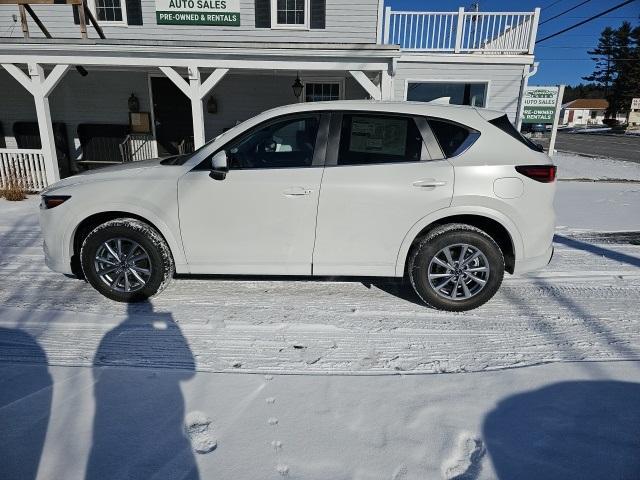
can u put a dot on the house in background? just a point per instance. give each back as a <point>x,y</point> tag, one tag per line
<point>159,77</point>
<point>586,111</point>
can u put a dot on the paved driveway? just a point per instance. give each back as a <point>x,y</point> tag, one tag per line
<point>620,147</point>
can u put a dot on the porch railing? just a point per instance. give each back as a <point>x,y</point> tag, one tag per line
<point>25,166</point>
<point>136,147</point>
<point>461,32</point>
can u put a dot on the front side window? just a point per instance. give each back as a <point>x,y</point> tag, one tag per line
<point>460,93</point>
<point>289,13</point>
<point>370,139</point>
<point>109,10</point>
<point>321,91</point>
<point>287,143</point>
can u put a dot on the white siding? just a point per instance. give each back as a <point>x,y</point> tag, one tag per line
<point>346,22</point>
<point>504,80</point>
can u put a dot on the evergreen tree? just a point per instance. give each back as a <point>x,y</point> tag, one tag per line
<point>617,69</point>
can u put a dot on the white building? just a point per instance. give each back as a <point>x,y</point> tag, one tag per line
<point>586,111</point>
<point>154,86</point>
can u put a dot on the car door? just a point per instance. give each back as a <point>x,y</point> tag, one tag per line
<point>261,218</point>
<point>383,173</point>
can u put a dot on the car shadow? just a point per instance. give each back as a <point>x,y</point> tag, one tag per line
<point>138,427</point>
<point>25,404</point>
<point>577,429</point>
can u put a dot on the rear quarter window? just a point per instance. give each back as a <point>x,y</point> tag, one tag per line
<point>453,138</point>
<point>507,127</point>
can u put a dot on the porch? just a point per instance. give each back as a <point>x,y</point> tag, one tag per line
<point>185,96</point>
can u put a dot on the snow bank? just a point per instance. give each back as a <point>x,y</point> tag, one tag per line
<point>572,166</point>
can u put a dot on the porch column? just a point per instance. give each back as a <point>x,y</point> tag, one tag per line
<point>386,85</point>
<point>196,90</point>
<point>41,86</point>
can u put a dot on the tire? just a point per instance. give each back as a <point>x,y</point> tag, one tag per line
<point>454,289</point>
<point>146,272</point>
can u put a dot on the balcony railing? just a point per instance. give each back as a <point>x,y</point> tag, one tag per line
<point>462,32</point>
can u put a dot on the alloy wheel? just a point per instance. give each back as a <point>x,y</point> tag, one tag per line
<point>458,272</point>
<point>123,265</point>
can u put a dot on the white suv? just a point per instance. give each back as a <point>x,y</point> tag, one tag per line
<point>449,197</point>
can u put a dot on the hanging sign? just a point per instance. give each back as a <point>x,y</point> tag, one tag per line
<point>198,12</point>
<point>539,104</point>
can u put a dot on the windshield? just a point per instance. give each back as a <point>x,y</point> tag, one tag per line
<point>507,127</point>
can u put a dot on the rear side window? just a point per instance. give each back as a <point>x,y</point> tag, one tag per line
<point>452,137</point>
<point>369,139</point>
<point>507,127</point>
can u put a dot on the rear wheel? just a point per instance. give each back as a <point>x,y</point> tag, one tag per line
<point>126,260</point>
<point>456,267</point>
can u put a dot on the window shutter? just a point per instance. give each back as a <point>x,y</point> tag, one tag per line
<point>134,12</point>
<point>263,13</point>
<point>76,15</point>
<point>318,14</point>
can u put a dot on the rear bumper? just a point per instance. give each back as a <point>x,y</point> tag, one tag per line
<point>534,263</point>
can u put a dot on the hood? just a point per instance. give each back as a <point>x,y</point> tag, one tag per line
<point>107,173</point>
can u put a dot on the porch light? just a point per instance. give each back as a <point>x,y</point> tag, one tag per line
<point>297,86</point>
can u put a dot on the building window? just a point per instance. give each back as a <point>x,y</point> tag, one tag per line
<point>322,91</point>
<point>460,93</point>
<point>109,11</point>
<point>290,13</point>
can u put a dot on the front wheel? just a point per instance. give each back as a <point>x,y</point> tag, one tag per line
<point>456,267</point>
<point>126,260</point>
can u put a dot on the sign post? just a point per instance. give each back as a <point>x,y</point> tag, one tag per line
<point>198,12</point>
<point>554,128</point>
<point>542,105</point>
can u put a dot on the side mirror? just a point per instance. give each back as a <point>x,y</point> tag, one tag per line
<point>219,166</point>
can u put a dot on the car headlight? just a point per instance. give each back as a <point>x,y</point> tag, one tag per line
<point>52,201</point>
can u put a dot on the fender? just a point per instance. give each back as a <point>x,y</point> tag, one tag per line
<point>146,212</point>
<point>491,213</point>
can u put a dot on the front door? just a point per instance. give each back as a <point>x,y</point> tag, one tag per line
<point>261,218</point>
<point>378,182</point>
<point>172,116</point>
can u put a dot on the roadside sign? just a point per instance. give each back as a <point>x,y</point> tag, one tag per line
<point>634,112</point>
<point>539,104</point>
<point>198,12</point>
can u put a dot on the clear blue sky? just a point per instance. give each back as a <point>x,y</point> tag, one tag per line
<point>563,59</point>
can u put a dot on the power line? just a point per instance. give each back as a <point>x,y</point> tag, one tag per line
<point>551,4</point>
<point>566,11</point>
<point>620,5</point>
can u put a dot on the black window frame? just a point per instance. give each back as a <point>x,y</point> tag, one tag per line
<point>333,145</point>
<point>319,151</point>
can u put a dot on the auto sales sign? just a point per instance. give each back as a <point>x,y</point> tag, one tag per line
<point>539,104</point>
<point>198,12</point>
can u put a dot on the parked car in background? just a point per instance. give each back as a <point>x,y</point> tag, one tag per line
<point>448,197</point>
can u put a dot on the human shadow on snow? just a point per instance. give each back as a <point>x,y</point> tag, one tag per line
<point>138,428</point>
<point>25,404</point>
<point>576,429</point>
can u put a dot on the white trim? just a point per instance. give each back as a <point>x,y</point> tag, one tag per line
<point>447,80</point>
<point>290,26</point>
<point>380,23</point>
<point>479,58</point>
<point>326,80</point>
<point>152,113</point>
<point>116,23</point>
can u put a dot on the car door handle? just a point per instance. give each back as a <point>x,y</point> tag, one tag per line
<point>428,182</point>
<point>296,192</point>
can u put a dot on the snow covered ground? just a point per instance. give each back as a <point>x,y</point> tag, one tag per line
<point>327,380</point>
<point>572,167</point>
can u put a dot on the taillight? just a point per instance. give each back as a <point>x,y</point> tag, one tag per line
<point>52,201</point>
<point>539,173</point>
